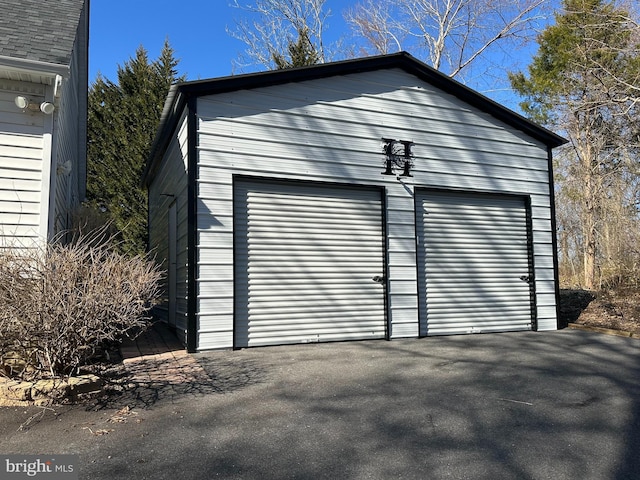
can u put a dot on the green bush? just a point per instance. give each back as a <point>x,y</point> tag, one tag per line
<point>59,305</point>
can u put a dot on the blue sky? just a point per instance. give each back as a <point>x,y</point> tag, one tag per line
<point>196,30</point>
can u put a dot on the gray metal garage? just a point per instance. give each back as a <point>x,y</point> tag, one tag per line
<point>371,198</point>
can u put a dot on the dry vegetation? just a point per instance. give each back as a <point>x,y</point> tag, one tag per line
<point>614,309</point>
<point>62,304</point>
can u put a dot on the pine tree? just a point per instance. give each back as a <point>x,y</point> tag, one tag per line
<point>301,53</point>
<point>581,82</point>
<point>123,118</point>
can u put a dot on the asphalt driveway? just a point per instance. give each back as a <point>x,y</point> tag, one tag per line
<point>557,405</point>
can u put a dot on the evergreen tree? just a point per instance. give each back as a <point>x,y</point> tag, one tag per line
<point>122,122</point>
<point>585,53</point>
<point>301,53</point>
<point>282,33</point>
<point>581,82</point>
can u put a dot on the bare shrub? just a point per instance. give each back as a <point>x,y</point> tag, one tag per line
<point>60,304</point>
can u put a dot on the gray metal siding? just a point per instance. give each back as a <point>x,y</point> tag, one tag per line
<point>330,130</point>
<point>473,250</point>
<point>170,186</point>
<point>305,256</point>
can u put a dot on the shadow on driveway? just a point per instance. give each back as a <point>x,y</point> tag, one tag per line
<point>558,405</point>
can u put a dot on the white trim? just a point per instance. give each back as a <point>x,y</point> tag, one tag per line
<point>47,203</point>
<point>35,67</point>
<point>57,86</point>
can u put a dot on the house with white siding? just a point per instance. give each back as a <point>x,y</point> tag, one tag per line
<point>366,199</point>
<point>43,117</point>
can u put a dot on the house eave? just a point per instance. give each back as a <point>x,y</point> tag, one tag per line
<point>34,68</point>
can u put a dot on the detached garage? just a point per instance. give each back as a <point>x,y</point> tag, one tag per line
<point>366,199</point>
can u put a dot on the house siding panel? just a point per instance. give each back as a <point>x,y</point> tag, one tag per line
<point>41,69</point>
<point>330,130</point>
<point>21,169</point>
<point>69,155</point>
<point>69,149</point>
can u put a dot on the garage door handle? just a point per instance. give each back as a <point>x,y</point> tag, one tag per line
<point>527,278</point>
<point>378,279</point>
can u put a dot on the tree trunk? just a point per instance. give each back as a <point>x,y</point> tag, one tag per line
<point>589,226</point>
<point>590,252</point>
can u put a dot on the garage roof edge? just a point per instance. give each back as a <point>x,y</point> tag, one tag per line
<point>175,101</point>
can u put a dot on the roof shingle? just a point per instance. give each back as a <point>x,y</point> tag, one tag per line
<point>39,30</point>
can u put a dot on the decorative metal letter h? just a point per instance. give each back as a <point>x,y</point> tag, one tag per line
<point>398,154</point>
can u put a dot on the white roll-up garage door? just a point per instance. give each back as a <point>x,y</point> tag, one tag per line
<point>305,258</point>
<point>475,266</point>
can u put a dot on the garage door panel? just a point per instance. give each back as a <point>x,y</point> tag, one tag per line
<point>468,297</point>
<point>490,223</point>
<point>305,256</point>
<point>291,244</point>
<point>282,338</point>
<point>266,318</point>
<point>478,262</point>
<point>475,235</point>
<point>306,227</point>
<point>293,263</point>
<point>489,295</point>
<point>471,245</point>
<point>327,294</point>
<point>295,287</point>
<point>310,303</point>
<point>473,251</point>
<point>480,273</point>
<point>477,307</point>
<point>474,326</point>
<point>276,275</point>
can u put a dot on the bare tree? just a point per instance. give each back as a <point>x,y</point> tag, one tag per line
<point>583,82</point>
<point>376,23</point>
<point>601,121</point>
<point>449,34</point>
<point>271,27</point>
